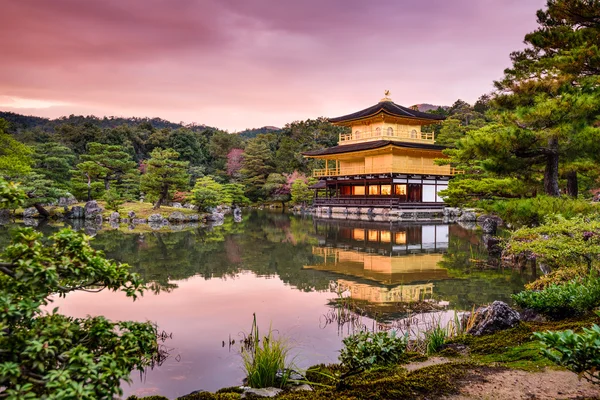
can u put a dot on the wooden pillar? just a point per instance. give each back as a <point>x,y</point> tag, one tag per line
<point>326,167</point>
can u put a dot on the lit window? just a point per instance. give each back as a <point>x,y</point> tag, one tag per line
<point>374,190</point>
<point>373,236</point>
<point>390,131</point>
<point>413,134</point>
<point>386,190</point>
<point>359,190</point>
<point>400,238</point>
<point>378,132</point>
<point>400,190</point>
<point>386,236</point>
<point>359,234</point>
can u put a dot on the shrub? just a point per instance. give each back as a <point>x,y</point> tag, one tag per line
<point>533,211</point>
<point>575,297</point>
<point>365,350</point>
<point>207,193</point>
<point>578,352</point>
<point>113,199</point>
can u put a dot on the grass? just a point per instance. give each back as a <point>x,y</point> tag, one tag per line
<point>141,210</point>
<point>264,358</point>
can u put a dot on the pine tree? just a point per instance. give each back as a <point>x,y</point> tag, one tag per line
<point>164,174</point>
<point>256,167</point>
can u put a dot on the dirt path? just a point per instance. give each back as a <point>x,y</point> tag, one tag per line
<point>517,385</point>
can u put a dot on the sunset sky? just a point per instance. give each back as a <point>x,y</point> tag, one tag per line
<point>237,64</point>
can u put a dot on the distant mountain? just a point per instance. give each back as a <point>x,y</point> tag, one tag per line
<point>20,122</point>
<point>252,133</point>
<point>424,107</point>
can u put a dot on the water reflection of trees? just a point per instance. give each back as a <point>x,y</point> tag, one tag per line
<point>266,244</point>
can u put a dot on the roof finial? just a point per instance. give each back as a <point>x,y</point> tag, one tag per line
<point>387,94</point>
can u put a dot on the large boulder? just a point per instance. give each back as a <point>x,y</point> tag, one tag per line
<point>263,392</point>
<point>30,212</point>
<point>492,318</point>
<point>114,217</point>
<point>176,205</point>
<point>467,216</point>
<point>66,201</point>
<point>92,209</point>
<point>155,218</point>
<point>215,217</point>
<point>131,214</point>
<point>177,217</point>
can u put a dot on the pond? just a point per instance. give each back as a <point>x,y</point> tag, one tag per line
<point>289,271</point>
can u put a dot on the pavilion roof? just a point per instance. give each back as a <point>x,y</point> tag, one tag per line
<point>390,108</point>
<point>349,148</point>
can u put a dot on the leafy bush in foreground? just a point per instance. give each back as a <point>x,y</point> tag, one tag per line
<point>365,350</point>
<point>51,356</point>
<point>575,297</point>
<point>578,352</point>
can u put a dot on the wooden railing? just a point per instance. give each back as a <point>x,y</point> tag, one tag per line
<point>387,169</point>
<point>372,201</point>
<point>365,136</point>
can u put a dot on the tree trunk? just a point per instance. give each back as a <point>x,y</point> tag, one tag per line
<point>551,171</point>
<point>41,210</point>
<point>572,184</point>
<point>162,198</point>
<point>106,184</point>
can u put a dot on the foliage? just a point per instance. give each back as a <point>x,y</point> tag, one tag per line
<point>575,297</point>
<point>434,339</point>
<point>534,211</point>
<point>256,167</point>
<point>365,349</point>
<point>14,156</point>
<point>113,199</point>
<point>559,242</point>
<point>164,174</point>
<point>579,352</point>
<point>277,188</point>
<point>235,159</point>
<point>11,196</point>
<point>40,190</point>
<point>103,163</point>
<point>301,194</point>
<point>264,358</point>
<point>234,195</point>
<point>55,162</point>
<point>466,191</point>
<point>207,193</point>
<point>48,355</point>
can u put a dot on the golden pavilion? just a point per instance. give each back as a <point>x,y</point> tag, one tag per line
<point>386,161</point>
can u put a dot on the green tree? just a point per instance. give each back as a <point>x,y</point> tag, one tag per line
<point>301,194</point>
<point>277,189</point>
<point>164,174</point>
<point>52,356</point>
<point>55,162</point>
<point>234,194</point>
<point>207,193</point>
<point>15,157</point>
<point>40,190</point>
<point>256,167</point>
<point>105,163</point>
<point>551,90</point>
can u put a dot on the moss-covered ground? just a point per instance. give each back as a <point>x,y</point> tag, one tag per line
<point>469,356</point>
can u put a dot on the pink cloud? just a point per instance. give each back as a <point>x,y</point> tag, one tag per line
<point>237,64</point>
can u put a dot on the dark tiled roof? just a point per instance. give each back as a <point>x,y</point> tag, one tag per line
<point>391,108</point>
<point>348,148</point>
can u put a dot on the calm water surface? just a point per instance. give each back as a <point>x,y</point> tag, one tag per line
<point>288,270</point>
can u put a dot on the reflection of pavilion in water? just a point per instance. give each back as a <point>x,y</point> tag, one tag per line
<point>382,264</point>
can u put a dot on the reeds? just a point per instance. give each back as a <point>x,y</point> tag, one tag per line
<point>265,360</point>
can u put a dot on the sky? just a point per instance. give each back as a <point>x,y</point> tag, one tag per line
<point>236,64</point>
